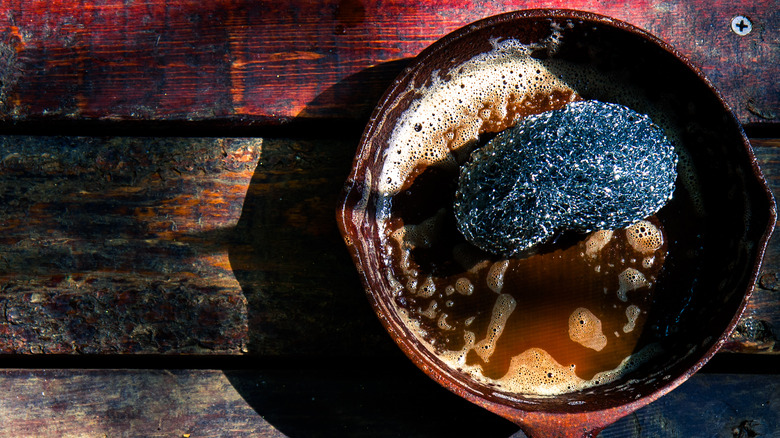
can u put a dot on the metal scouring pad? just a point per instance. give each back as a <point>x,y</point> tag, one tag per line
<point>588,166</point>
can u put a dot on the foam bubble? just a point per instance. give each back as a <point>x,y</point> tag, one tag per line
<point>644,237</point>
<point>597,241</point>
<point>632,313</point>
<point>450,113</point>
<point>535,371</point>
<point>422,235</point>
<point>585,329</point>
<point>457,358</point>
<point>431,311</point>
<point>442,322</point>
<point>505,305</point>
<point>630,280</point>
<point>411,281</point>
<point>427,289</point>
<point>495,277</point>
<point>464,286</point>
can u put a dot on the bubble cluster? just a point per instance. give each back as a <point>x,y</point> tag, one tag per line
<point>536,371</point>
<point>427,289</point>
<point>597,241</point>
<point>585,329</point>
<point>588,166</point>
<point>442,322</point>
<point>630,280</point>
<point>413,236</point>
<point>632,313</point>
<point>457,358</point>
<point>450,113</point>
<point>464,286</point>
<point>644,237</point>
<point>505,305</point>
<point>422,235</point>
<point>430,312</point>
<point>495,276</point>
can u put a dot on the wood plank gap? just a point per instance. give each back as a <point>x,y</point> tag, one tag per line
<point>295,128</point>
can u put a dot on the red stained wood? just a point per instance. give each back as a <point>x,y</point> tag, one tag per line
<point>273,61</point>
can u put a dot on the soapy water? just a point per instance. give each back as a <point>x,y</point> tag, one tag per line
<point>479,323</point>
<point>484,333</point>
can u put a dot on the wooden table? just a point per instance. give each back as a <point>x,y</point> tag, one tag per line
<point>169,259</point>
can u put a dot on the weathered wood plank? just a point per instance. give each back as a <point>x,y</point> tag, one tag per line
<point>272,61</point>
<point>759,328</point>
<point>208,246</point>
<point>104,247</point>
<point>155,403</point>
<point>176,245</point>
<point>312,401</point>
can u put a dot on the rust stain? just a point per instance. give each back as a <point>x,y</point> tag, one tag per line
<point>18,37</point>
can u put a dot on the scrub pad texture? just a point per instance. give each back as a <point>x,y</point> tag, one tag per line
<point>588,166</point>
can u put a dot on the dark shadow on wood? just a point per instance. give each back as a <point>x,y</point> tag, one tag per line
<point>298,278</point>
<point>227,127</point>
<point>378,397</point>
<point>286,251</point>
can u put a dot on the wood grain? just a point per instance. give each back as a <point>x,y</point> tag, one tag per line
<point>104,249</point>
<point>758,328</point>
<point>177,245</point>
<point>207,246</point>
<point>314,402</point>
<point>269,62</point>
<point>100,403</point>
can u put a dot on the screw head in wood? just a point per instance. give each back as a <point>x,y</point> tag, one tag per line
<point>741,25</point>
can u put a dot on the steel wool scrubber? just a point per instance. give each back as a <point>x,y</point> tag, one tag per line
<point>588,166</point>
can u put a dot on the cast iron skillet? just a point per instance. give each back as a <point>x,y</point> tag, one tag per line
<point>708,276</point>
